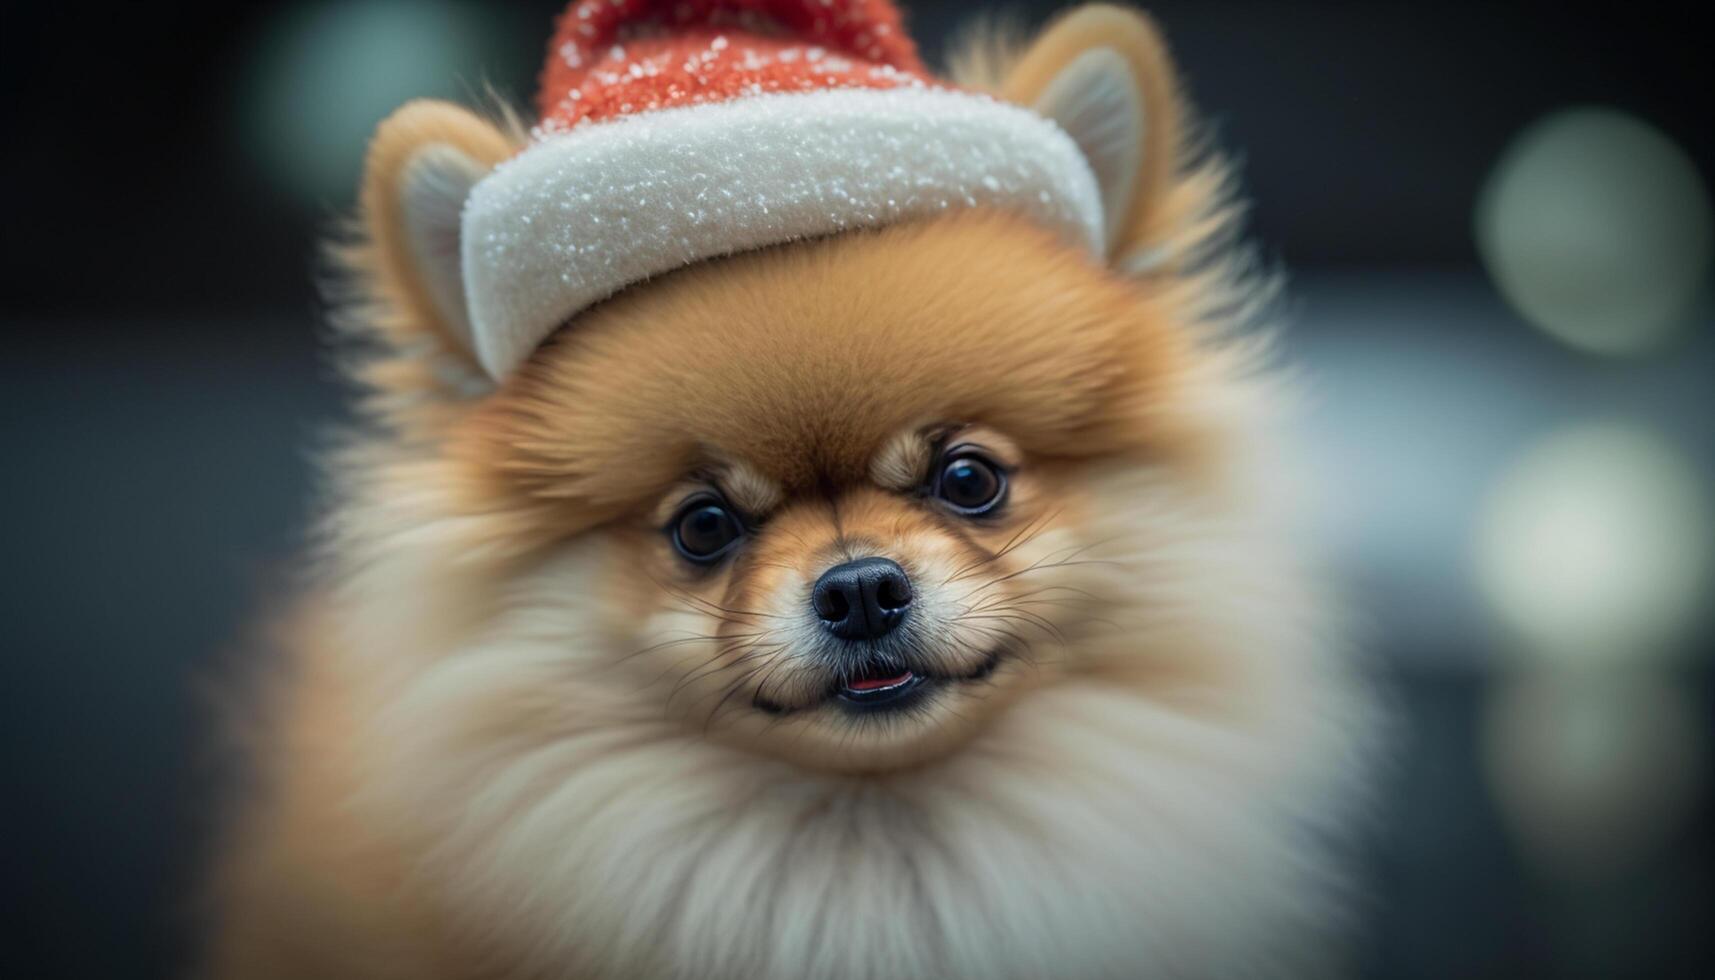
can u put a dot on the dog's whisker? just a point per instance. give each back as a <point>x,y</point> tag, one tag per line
<point>732,689</point>
<point>1022,537</point>
<point>709,604</point>
<point>665,644</point>
<point>718,662</point>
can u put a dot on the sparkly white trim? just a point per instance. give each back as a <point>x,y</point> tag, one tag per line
<point>580,215</point>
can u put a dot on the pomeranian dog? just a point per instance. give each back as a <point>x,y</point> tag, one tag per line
<point>882,574</point>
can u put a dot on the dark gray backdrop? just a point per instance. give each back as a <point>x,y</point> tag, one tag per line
<point>162,382</point>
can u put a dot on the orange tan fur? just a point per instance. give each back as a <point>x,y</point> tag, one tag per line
<point>521,736</point>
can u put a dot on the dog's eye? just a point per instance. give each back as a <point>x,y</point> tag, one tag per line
<point>971,485</point>
<point>705,530</point>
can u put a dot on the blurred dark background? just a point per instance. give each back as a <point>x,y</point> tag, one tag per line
<point>1497,222</point>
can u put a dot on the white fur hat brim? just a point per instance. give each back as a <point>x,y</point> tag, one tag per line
<point>579,215</point>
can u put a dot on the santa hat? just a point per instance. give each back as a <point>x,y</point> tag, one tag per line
<point>672,132</point>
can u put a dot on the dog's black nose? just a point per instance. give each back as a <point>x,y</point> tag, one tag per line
<point>863,599</point>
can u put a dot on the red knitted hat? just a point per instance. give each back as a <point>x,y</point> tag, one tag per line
<point>672,132</point>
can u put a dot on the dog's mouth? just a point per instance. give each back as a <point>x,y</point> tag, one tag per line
<point>881,688</point>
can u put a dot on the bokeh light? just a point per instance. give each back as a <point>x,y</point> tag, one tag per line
<point>325,74</point>
<point>1597,229</point>
<point>1596,546</point>
<point>1593,770</point>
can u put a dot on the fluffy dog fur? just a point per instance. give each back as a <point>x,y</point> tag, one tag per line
<point>515,735</point>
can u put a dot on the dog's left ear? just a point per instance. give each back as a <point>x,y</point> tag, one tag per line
<point>1103,74</point>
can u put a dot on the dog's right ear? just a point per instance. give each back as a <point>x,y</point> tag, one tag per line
<point>422,164</point>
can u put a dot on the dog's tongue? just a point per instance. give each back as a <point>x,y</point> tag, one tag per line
<point>877,683</point>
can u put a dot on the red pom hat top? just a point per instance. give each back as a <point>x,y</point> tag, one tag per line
<point>673,132</point>
<point>611,59</point>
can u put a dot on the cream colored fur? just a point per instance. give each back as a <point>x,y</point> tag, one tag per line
<point>479,765</point>
<point>1119,824</point>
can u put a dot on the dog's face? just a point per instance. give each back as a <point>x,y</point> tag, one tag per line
<point>843,501</point>
<point>828,521</point>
